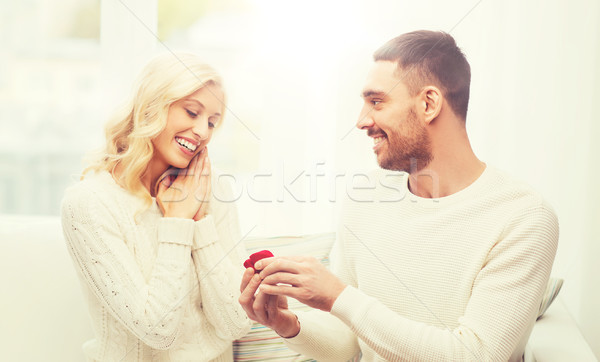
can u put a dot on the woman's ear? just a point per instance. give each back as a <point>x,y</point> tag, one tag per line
<point>431,99</point>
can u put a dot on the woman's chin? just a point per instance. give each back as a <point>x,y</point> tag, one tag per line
<point>180,163</point>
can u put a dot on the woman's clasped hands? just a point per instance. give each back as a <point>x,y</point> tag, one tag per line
<point>185,193</point>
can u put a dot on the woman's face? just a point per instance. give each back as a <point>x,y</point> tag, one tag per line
<point>190,124</point>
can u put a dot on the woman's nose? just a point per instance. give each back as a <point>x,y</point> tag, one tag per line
<point>201,128</point>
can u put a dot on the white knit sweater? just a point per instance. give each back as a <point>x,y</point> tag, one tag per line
<point>458,278</point>
<point>161,289</point>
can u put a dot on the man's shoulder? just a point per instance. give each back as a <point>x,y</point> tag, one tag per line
<point>511,191</point>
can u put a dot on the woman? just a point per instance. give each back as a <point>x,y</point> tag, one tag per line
<point>158,256</point>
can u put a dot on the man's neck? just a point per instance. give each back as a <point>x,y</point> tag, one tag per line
<point>446,174</point>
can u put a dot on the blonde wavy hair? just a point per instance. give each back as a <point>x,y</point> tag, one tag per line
<point>129,133</point>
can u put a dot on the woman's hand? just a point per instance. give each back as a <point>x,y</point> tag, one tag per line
<point>187,196</point>
<point>203,193</point>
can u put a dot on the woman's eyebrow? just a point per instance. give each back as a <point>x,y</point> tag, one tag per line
<point>218,114</point>
<point>195,101</point>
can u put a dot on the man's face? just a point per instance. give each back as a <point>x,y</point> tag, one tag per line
<point>389,116</point>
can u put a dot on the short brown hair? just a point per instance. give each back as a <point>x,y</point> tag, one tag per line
<point>431,58</point>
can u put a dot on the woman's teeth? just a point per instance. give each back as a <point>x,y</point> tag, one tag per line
<point>186,144</point>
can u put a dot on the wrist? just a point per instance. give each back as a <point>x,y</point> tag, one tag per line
<point>176,215</point>
<point>290,328</point>
<point>199,216</point>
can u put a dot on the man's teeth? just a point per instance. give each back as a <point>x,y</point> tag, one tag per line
<point>378,139</point>
<point>186,144</point>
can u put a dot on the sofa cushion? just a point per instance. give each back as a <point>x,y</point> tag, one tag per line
<point>44,315</point>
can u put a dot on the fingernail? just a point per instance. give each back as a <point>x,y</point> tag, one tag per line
<point>258,265</point>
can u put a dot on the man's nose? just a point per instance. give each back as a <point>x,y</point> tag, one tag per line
<point>364,119</point>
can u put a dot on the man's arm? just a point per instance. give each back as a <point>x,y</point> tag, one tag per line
<point>504,300</point>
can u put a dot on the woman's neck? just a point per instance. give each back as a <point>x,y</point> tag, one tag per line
<point>148,179</point>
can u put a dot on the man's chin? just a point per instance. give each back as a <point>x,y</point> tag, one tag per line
<point>390,165</point>
<point>385,164</point>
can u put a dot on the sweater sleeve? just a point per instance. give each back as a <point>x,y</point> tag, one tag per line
<point>216,255</point>
<point>150,309</point>
<point>505,297</point>
<point>323,336</point>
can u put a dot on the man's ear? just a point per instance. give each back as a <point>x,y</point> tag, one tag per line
<point>431,101</point>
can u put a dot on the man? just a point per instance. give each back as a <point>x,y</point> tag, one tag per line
<point>453,271</point>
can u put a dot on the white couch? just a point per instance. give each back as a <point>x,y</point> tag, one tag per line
<point>44,317</point>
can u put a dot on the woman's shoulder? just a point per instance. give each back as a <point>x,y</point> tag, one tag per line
<point>90,185</point>
<point>97,188</point>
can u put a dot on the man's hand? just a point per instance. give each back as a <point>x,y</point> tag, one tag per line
<point>269,310</point>
<point>308,281</point>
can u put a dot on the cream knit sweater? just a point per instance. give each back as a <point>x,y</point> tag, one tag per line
<point>458,278</point>
<point>160,289</point>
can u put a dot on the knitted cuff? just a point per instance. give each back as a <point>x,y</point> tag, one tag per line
<point>176,230</point>
<point>350,302</point>
<point>205,232</point>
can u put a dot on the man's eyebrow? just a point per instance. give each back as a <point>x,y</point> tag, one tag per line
<point>373,93</point>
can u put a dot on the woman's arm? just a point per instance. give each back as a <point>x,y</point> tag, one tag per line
<point>217,256</point>
<point>150,309</point>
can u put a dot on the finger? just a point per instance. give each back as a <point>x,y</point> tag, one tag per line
<point>193,164</point>
<point>294,258</point>
<point>247,296</point>
<point>260,307</point>
<point>183,172</point>
<point>179,175</point>
<point>166,178</point>
<point>196,166</point>
<point>203,170</point>
<point>272,306</point>
<point>205,182</point>
<point>280,290</point>
<point>262,263</point>
<point>198,160</point>
<point>162,185</point>
<point>287,278</point>
<point>297,258</point>
<point>277,264</point>
<point>206,165</point>
<point>248,274</point>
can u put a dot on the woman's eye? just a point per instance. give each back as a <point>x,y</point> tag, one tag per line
<point>192,114</point>
<point>212,121</point>
<point>375,102</point>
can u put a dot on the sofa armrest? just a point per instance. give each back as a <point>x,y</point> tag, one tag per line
<point>556,338</point>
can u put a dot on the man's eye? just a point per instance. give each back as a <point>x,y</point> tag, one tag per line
<point>211,125</point>
<point>192,114</point>
<point>375,102</point>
